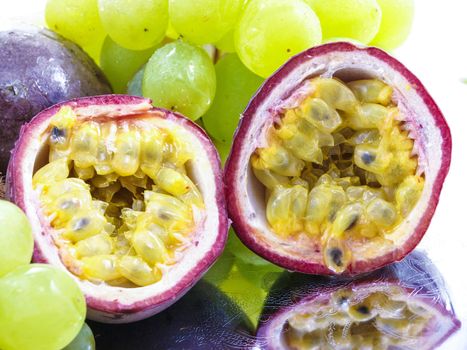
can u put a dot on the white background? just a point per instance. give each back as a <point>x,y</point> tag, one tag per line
<point>436,52</point>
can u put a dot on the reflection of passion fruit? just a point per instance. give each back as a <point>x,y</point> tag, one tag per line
<point>38,69</point>
<point>205,318</point>
<point>338,162</point>
<point>403,306</point>
<point>126,197</point>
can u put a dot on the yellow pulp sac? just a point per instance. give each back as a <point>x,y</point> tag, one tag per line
<point>378,321</point>
<point>339,168</point>
<point>119,198</point>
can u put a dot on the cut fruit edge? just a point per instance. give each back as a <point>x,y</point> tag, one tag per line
<point>271,335</point>
<point>432,142</point>
<point>416,278</point>
<point>116,304</point>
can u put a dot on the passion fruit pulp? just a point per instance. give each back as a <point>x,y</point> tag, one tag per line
<point>403,306</point>
<point>338,162</point>
<point>124,196</point>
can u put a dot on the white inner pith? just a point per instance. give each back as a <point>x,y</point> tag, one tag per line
<point>288,93</point>
<point>206,230</point>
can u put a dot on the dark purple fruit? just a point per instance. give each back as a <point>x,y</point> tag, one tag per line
<point>39,68</point>
<point>403,306</point>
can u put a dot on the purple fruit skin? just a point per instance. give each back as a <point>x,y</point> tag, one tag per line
<point>39,68</point>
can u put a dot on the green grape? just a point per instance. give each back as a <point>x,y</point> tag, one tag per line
<point>78,21</point>
<point>235,87</point>
<point>171,32</point>
<point>180,77</point>
<point>262,276</point>
<point>223,148</point>
<point>271,31</point>
<point>15,238</point>
<point>395,23</point>
<point>135,25</point>
<point>135,84</point>
<point>219,272</point>
<point>204,21</point>
<point>357,19</point>
<point>41,308</point>
<point>120,64</point>
<point>336,39</point>
<point>227,43</point>
<point>246,293</point>
<point>83,341</point>
<point>241,252</point>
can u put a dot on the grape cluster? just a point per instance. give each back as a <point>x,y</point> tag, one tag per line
<point>205,58</point>
<point>41,306</point>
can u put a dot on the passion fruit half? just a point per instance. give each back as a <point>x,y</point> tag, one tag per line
<point>338,162</point>
<point>402,306</point>
<point>126,197</point>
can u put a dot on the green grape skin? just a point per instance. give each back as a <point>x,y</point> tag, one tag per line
<point>235,87</point>
<point>83,341</point>
<point>135,84</point>
<point>220,271</point>
<point>135,25</point>
<point>223,148</point>
<point>171,33</point>
<point>16,238</point>
<point>227,43</point>
<point>120,64</point>
<point>263,45</point>
<point>241,252</point>
<point>358,19</point>
<point>204,21</point>
<point>396,23</point>
<point>41,308</point>
<point>77,21</point>
<point>180,77</point>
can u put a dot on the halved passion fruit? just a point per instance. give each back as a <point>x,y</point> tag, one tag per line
<point>403,306</point>
<point>126,197</point>
<point>338,162</point>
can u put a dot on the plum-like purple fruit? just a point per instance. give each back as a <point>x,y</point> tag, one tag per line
<point>403,306</point>
<point>39,68</point>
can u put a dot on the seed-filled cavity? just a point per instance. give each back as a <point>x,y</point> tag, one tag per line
<point>119,197</point>
<point>380,319</point>
<point>340,167</point>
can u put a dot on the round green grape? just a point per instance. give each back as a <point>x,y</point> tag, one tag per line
<point>135,25</point>
<point>180,77</point>
<point>83,341</point>
<point>271,31</point>
<point>78,21</point>
<point>235,87</point>
<point>395,24</point>
<point>135,84</point>
<point>120,64</point>
<point>357,19</point>
<point>204,21</point>
<point>15,238</point>
<point>41,308</point>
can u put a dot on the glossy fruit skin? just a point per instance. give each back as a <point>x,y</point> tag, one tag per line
<point>416,274</point>
<point>42,308</point>
<point>40,68</point>
<point>205,318</point>
<point>15,237</point>
<point>336,54</point>
<point>19,190</point>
